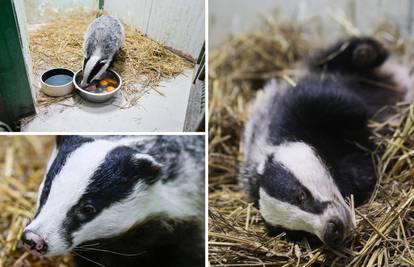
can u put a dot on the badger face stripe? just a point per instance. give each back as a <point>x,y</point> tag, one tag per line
<point>113,181</point>
<point>84,62</point>
<point>96,69</point>
<point>280,183</point>
<point>302,161</point>
<point>66,145</point>
<point>297,192</point>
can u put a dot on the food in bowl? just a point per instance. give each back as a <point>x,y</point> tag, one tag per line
<point>101,86</point>
<point>100,90</point>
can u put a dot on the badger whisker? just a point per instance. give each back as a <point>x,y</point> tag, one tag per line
<point>86,258</point>
<point>112,252</point>
<point>90,245</point>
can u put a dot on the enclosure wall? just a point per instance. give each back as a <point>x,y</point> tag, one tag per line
<point>235,16</point>
<point>177,23</point>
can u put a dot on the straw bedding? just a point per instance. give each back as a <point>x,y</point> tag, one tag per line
<point>237,237</point>
<point>141,62</point>
<point>22,163</point>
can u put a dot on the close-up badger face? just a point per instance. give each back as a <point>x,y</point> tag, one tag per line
<point>297,192</point>
<point>96,189</point>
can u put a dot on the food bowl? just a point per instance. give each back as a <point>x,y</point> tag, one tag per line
<point>57,82</point>
<point>97,97</point>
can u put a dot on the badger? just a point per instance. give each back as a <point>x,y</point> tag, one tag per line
<point>307,147</point>
<point>103,39</point>
<point>122,201</point>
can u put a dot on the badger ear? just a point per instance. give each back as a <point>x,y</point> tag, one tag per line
<point>146,166</point>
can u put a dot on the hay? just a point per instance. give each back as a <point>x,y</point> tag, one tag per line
<point>22,165</point>
<point>237,236</point>
<point>141,62</point>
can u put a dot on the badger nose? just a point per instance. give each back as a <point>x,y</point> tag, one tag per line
<point>34,243</point>
<point>334,233</point>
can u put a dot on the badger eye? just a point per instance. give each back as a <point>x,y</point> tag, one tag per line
<point>302,198</point>
<point>88,209</point>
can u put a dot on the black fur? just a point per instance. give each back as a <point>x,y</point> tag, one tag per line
<point>166,242</point>
<point>112,182</point>
<point>160,242</point>
<point>333,120</point>
<point>359,55</point>
<point>279,183</point>
<point>329,109</point>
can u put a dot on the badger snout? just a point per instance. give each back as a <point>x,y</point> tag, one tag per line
<point>34,243</point>
<point>83,83</point>
<point>334,233</point>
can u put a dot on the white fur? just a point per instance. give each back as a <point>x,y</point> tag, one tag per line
<point>279,213</point>
<point>93,60</point>
<point>67,188</point>
<point>178,199</point>
<point>300,159</point>
<point>400,75</point>
<point>104,31</point>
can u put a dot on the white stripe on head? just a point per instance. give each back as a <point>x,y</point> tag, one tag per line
<point>288,216</point>
<point>301,160</point>
<point>67,188</point>
<point>90,64</point>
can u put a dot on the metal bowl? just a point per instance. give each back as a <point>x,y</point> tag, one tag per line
<point>56,88</point>
<point>97,97</point>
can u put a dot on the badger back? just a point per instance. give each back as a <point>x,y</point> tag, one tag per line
<point>103,38</point>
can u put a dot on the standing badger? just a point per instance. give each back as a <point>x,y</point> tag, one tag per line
<point>122,201</point>
<point>103,39</point>
<point>307,147</point>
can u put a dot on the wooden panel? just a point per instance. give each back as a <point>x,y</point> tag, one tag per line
<point>40,11</point>
<point>235,16</point>
<point>371,12</point>
<point>230,17</point>
<point>133,12</point>
<point>177,23</point>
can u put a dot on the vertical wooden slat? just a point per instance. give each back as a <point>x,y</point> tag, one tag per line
<point>136,13</point>
<point>176,23</point>
<point>370,13</point>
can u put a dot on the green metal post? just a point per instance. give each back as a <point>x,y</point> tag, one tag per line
<point>101,4</point>
<point>15,90</point>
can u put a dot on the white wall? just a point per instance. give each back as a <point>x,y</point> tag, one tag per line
<point>228,17</point>
<point>39,11</point>
<point>176,23</point>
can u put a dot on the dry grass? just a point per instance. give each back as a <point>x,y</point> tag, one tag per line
<point>237,237</point>
<point>142,62</point>
<point>22,163</point>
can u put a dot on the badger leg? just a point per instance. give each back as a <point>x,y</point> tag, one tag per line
<point>353,55</point>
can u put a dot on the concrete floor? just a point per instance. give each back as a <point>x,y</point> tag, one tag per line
<point>153,113</point>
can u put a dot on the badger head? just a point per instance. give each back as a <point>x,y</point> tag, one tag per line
<point>297,193</point>
<point>94,66</point>
<point>93,189</point>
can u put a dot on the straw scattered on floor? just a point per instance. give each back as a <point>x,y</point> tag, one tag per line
<point>22,163</point>
<point>237,236</point>
<point>142,62</point>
